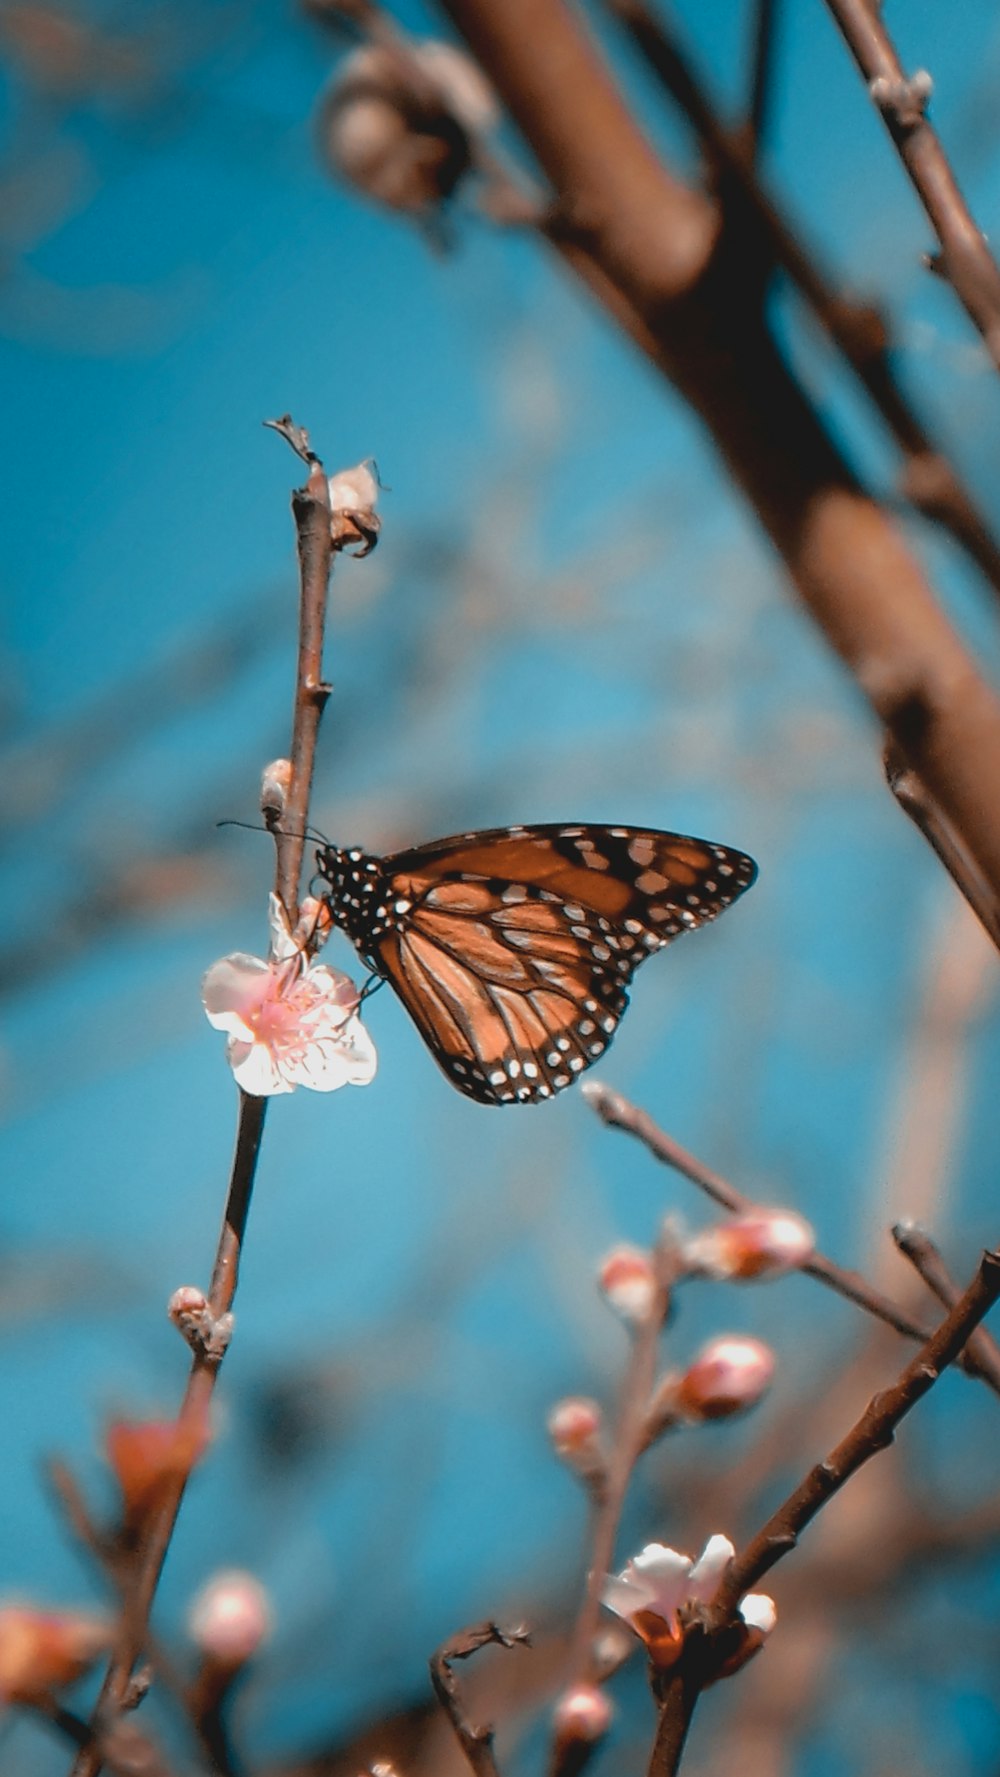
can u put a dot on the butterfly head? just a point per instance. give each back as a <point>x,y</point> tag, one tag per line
<point>355,886</point>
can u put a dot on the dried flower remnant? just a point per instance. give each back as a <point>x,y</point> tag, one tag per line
<point>659,1588</point>
<point>401,122</point>
<point>43,1651</point>
<point>230,1619</point>
<point>150,1458</point>
<point>289,1022</point>
<point>628,1280</point>
<point>765,1243</point>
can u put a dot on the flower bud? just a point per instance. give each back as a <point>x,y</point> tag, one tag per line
<point>728,1375</point>
<point>353,519</point>
<point>582,1713</point>
<point>574,1423</point>
<point>150,1459</point>
<point>398,124</point>
<point>628,1280</point>
<point>575,1426</point>
<point>230,1618</point>
<point>275,783</point>
<point>42,1651</point>
<point>761,1244</point>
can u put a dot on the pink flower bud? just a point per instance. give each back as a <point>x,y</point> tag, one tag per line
<point>764,1243</point>
<point>230,1618</point>
<point>582,1713</point>
<point>575,1427</point>
<point>42,1651</point>
<point>729,1374</point>
<point>574,1423</point>
<point>628,1280</point>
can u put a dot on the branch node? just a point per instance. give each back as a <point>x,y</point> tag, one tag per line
<point>903,103</point>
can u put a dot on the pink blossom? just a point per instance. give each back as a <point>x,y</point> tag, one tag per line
<point>290,1022</point>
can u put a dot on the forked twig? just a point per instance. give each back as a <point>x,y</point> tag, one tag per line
<point>916,1245</point>
<point>476,1741</point>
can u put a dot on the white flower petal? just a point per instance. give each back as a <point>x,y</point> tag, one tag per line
<point>326,1064</point>
<point>255,1069</point>
<point>230,988</point>
<point>623,1597</point>
<point>759,1612</point>
<point>283,945</point>
<point>663,1575</point>
<point>707,1572</point>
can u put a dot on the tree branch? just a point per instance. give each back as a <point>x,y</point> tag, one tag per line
<point>874,1431</point>
<point>965,260</point>
<point>659,256</point>
<point>618,1112</point>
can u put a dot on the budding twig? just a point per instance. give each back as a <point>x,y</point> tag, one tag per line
<point>312,517</point>
<point>873,1432</point>
<point>618,1112</point>
<point>964,260</point>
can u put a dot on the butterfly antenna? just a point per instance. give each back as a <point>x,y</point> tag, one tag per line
<point>310,833</point>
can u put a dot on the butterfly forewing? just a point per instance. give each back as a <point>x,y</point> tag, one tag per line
<point>512,948</point>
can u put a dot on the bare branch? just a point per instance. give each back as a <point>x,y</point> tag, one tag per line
<point>915,801</point>
<point>689,293</point>
<point>964,260</point>
<point>929,482</point>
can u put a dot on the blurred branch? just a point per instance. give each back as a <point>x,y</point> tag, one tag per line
<point>618,1112</point>
<point>874,1431</point>
<point>689,291</point>
<point>765,20</point>
<point>929,482</point>
<point>964,260</point>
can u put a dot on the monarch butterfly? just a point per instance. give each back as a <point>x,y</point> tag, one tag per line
<point>512,948</point>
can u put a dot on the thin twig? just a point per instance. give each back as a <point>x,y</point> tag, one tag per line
<point>627,1445</point>
<point>916,802</point>
<point>476,1742</point>
<point>929,481</point>
<point>964,260</point>
<point>312,516</point>
<point>873,1432</point>
<point>618,1112</point>
<point>916,1245</point>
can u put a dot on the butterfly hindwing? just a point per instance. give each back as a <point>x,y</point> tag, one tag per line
<point>512,948</point>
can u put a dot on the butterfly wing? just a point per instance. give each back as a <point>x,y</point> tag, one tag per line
<point>512,949</point>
